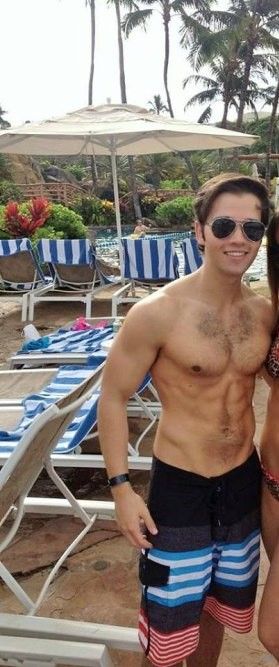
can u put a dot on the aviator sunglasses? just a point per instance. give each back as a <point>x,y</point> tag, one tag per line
<point>222,227</point>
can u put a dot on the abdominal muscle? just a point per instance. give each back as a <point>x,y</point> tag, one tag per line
<point>207,425</point>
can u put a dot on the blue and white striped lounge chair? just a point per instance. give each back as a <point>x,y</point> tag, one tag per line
<point>23,467</point>
<point>191,254</point>
<point>72,264</point>
<point>60,383</point>
<point>149,264</point>
<point>20,273</point>
<point>66,346</point>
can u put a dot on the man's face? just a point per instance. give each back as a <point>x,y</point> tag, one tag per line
<point>233,254</point>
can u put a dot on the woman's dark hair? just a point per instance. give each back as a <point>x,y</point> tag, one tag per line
<point>273,258</point>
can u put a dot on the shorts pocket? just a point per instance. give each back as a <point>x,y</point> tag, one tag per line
<point>152,573</point>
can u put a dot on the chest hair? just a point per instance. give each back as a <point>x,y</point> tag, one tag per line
<point>241,327</point>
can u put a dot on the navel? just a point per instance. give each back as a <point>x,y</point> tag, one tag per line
<point>197,369</point>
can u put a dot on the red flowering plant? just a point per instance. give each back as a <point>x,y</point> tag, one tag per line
<point>19,223</point>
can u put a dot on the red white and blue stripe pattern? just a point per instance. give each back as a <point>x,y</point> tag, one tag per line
<point>203,577</point>
<point>149,259</point>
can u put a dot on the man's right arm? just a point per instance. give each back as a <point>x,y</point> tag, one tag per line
<point>132,355</point>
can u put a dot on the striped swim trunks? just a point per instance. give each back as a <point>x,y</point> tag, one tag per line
<point>204,557</point>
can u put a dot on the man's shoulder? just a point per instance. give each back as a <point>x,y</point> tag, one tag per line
<point>262,305</point>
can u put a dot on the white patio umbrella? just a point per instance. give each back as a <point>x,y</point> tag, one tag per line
<point>116,129</point>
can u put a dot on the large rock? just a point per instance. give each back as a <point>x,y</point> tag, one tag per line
<point>23,169</point>
<point>54,174</point>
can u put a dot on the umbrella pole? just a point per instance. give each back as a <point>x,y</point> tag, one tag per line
<point>117,209</point>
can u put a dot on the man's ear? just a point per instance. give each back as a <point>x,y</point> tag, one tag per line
<point>199,232</point>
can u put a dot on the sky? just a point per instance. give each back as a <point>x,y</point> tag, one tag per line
<point>45,56</point>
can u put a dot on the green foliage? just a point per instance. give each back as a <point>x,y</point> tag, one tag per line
<point>3,233</point>
<point>175,184</point>
<point>77,170</point>
<point>179,211</point>
<point>9,192</point>
<point>149,203</point>
<point>95,211</point>
<point>4,169</point>
<point>62,219</point>
<point>48,232</point>
<point>260,127</point>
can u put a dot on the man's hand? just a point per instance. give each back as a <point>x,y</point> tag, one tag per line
<point>131,515</point>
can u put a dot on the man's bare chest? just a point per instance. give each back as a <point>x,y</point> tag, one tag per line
<point>210,345</point>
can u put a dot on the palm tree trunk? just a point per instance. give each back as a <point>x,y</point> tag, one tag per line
<point>92,46</point>
<point>185,154</point>
<point>93,166</point>
<point>166,19</point>
<point>244,87</point>
<point>120,54</point>
<point>135,194</point>
<point>271,130</point>
<point>223,124</point>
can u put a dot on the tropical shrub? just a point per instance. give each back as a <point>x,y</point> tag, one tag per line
<point>47,232</point>
<point>9,192</point>
<point>77,170</point>
<point>90,209</point>
<point>3,233</point>
<point>177,184</point>
<point>64,220</point>
<point>95,211</point>
<point>109,212</point>
<point>23,221</point>
<point>149,203</point>
<point>176,212</point>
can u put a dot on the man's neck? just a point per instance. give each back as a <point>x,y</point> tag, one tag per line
<point>220,289</point>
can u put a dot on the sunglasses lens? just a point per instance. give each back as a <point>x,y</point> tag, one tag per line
<point>254,230</point>
<point>222,227</point>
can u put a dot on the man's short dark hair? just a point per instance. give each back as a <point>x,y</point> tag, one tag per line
<point>230,183</point>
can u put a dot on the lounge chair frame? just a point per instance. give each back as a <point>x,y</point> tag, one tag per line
<point>18,632</point>
<point>22,469</point>
<point>77,282</point>
<point>136,275</point>
<point>21,276</point>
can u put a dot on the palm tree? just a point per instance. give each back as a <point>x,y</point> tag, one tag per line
<point>3,123</point>
<point>139,17</point>
<point>157,105</point>
<point>253,23</point>
<point>91,4</point>
<point>166,8</point>
<point>217,88</point>
<point>220,37</point>
<point>271,131</point>
<point>258,21</point>
<point>129,4</point>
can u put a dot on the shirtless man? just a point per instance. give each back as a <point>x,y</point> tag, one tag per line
<point>204,337</point>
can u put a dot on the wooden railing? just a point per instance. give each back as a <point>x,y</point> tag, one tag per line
<point>56,192</point>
